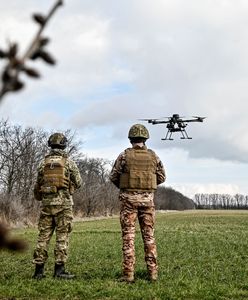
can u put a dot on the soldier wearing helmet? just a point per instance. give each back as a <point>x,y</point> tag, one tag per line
<point>136,172</point>
<point>58,177</point>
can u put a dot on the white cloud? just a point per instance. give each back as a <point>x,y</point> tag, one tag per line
<point>211,188</point>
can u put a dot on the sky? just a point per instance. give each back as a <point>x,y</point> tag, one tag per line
<point>121,61</point>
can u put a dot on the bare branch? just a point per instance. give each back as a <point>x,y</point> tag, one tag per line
<point>16,64</point>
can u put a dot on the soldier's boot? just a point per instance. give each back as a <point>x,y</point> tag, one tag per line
<point>153,276</point>
<point>59,272</point>
<point>39,271</point>
<point>128,277</point>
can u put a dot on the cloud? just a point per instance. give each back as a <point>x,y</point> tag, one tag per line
<point>191,189</point>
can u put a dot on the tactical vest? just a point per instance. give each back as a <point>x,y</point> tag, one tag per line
<point>55,174</point>
<point>139,171</point>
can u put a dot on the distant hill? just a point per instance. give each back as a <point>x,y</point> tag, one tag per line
<point>168,198</point>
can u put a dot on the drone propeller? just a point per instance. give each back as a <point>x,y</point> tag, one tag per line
<point>150,120</point>
<point>199,119</point>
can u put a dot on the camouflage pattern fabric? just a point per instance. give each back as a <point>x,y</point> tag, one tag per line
<point>58,219</point>
<point>137,204</point>
<point>57,140</point>
<point>56,214</point>
<point>138,130</point>
<point>145,212</point>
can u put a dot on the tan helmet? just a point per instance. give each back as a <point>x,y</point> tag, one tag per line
<point>57,140</point>
<point>138,131</point>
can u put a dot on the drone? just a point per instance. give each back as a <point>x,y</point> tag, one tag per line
<point>175,124</point>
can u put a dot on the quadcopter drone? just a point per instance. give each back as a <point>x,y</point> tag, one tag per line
<point>175,124</point>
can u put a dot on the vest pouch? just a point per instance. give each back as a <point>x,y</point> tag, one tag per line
<point>55,174</point>
<point>124,181</point>
<point>141,180</point>
<point>137,180</point>
<point>49,189</point>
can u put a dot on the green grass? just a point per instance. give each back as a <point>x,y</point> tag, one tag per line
<point>202,255</point>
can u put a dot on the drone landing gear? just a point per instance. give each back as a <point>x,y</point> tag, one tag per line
<point>169,133</point>
<point>185,135</point>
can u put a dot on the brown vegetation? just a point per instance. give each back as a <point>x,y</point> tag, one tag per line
<point>8,242</point>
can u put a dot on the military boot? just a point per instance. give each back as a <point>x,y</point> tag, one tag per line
<point>39,271</point>
<point>128,277</point>
<point>59,272</point>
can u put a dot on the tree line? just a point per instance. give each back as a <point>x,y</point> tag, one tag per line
<point>221,201</point>
<point>21,151</point>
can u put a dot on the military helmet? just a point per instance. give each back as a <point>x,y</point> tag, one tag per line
<point>138,131</point>
<point>57,140</point>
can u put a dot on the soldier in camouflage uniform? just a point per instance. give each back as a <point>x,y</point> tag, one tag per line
<point>58,177</point>
<point>136,172</point>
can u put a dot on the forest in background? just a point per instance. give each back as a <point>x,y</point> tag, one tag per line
<point>22,149</point>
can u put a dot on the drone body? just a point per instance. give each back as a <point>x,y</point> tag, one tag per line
<point>175,124</point>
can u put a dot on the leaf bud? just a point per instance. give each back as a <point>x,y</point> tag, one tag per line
<point>39,19</point>
<point>6,76</point>
<point>47,57</point>
<point>3,54</point>
<point>13,50</point>
<point>31,72</point>
<point>17,85</point>
<point>44,41</point>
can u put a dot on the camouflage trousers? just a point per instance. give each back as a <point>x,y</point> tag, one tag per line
<point>129,212</point>
<point>53,218</point>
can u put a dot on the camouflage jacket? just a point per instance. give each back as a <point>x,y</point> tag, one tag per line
<point>117,170</point>
<point>63,196</point>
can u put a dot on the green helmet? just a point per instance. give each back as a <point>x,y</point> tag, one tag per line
<point>57,140</point>
<point>138,131</point>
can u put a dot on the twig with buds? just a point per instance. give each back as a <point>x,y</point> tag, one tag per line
<point>17,64</point>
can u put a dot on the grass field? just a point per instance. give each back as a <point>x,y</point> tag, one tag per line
<point>202,255</point>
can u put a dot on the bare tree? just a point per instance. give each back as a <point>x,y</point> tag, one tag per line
<point>239,199</point>
<point>221,201</point>
<point>95,196</point>
<point>21,151</point>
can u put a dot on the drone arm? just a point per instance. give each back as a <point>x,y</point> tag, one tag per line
<point>193,120</point>
<point>154,122</point>
<point>197,119</point>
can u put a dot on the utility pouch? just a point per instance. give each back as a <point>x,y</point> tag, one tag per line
<point>49,189</point>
